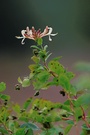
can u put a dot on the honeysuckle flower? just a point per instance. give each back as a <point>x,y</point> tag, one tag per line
<point>34,35</point>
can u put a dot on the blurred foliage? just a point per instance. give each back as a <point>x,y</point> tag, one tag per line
<point>82,66</point>
<point>82,81</point>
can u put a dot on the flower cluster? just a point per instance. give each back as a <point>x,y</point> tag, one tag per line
<point>34,35</point>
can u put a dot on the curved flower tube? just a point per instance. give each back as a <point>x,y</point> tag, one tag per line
<point>34,35</point>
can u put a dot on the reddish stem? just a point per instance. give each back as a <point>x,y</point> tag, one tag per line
<point>84,118</point>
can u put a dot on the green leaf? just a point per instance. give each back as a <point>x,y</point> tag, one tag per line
<point>27,103</point>
<point>73,90</point>
<point>16,108</point>
<point>85,129</point>
<point>63,112</point>
<point>38,85</point>
<point>2,86</point>
<point>83,100</point>
<point>44,133</point>
<point>56,67</point>
<point>71,122</point>
<point>55,116</point>
<point>35,47</point>
<point>67,102</point>
<point>3,130</point>
<point>41,80</point>
<point>35,59</point>
<point>30,125</point>
<point>26,82</point>
<point>19,80</point>
<point>78,113</point>
<point>43,76</point>
<point>66,107</point>
<point>29,132</point>
<point>42,54</point>
<point>48,56</point>
<point>35,68</point>
<point>55,131</point>
<point>24,118</point>
<point>4,97</point>
<point>82,133</point>
<point>57,58</point>
<point>11,125</point>
<point>64,82</point>
<point>20,131</point>
<point>67,129</point>
<point>70,75</point>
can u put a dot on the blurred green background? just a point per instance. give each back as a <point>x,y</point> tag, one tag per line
<point>70,18</point>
